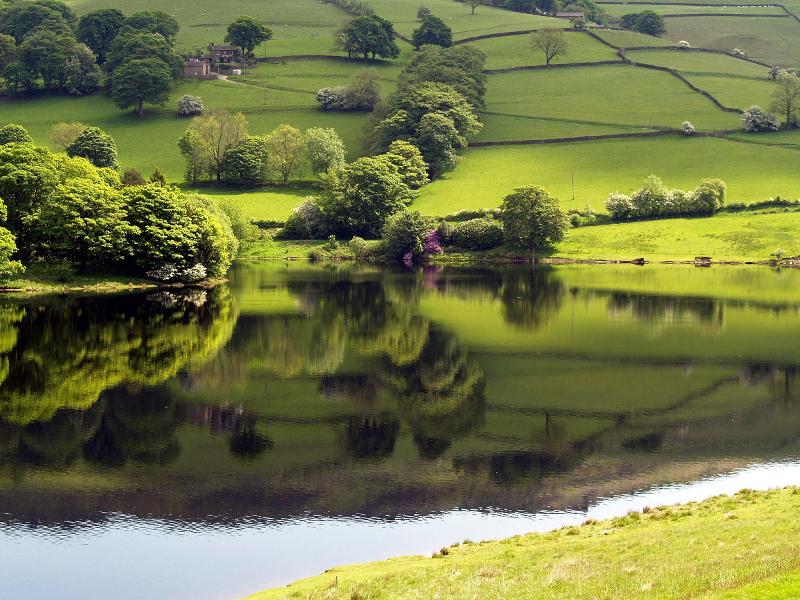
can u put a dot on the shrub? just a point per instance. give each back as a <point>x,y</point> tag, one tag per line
<point>755,120</point>
<point>96,146</point>
<point>305,223</point>
<point>682,45</point>
<point>330,98</point>
<point>651,199</point>
<point>739,53</point>
<point>620,206</point>
<point>687,128</point>
<point>432,243</point>
<point>423,12</point>
<point>360,94</point>
<point>11,133</point>
<point>406,232</point>
<point>445,233</point>
<point>190,106</point>
<point>133,177</point>
<point>654,200</point>
<point>708,197</point>
<point>358,246</point>
<point>478,234</point>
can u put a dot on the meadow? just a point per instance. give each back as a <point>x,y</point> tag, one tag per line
<point>641,555</point>
<point>516,51</point>
<point>485,175</point>
<point>617,10</point>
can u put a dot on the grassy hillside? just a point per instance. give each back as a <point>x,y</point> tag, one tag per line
<point>744,546</point>
<point>485,175</point>
<point>516,51</point>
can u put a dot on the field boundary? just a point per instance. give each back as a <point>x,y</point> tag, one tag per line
<point>733,15</point>
<point>579,138</point>
<point>555,66</point>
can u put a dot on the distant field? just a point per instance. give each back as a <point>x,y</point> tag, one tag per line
<point>485,175</point>
<point>152,141</point>
<point>630,39</point>
<point>617,10</point>
<point>269,204</point>
<point>735,83</point>
<point>772,40</point>
<point>457,15</point>
<point>606,95</point>
<point>299,26</point>
<point>515,51</point>
<point>738,236</point>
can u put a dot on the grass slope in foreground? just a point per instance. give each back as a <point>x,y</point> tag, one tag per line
<point>485,175</point>
<point>746,546</point>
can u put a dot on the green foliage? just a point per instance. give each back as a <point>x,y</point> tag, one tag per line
<point>477,234</point>
<point>98,28</point>
<point>786,99</point>
<point>27,175</point>
<point>653,200</point>
<point>8,51</point>
<point>307,222</point>
<point>324,148</point>
<point>409,162</point>
<point>247,33</point>
<point>133,177</point>
<point>433,31</point>
<point>285,148</point>
<point>11,133</point>
<point>405,233</point>
<point>207,140</point>
<point>132,45</point>
<point>532,218</point>
<point>154,21</point>
<point>369,36</point>
<point>95,145</point>
<point>217,244</point>
<point>21,18</point>
<point>647,22</point>
<point>246,163</point>
<point>552,42</point>
<point>190,106</point>
<point>139,81</point>
<point>358,198</point>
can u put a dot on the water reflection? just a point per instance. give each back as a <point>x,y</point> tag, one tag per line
<point>343,392</point>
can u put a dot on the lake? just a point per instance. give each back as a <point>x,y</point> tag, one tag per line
<point>210,443</point>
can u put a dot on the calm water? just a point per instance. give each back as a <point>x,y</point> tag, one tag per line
<point>210,444</point>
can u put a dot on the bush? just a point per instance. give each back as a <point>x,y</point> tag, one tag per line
<point>755,120</point>
<point>408,160</point>
<point>246,163</point>
<point>739,53</point>
<point>11,133</point>
<point>405,233</point>
<point>620,206</point>
<point>708,197</point>
<point>96,146</point>
<point>683,45</point>
<point>687,128</point>
<point>651,199</point>
<point>358,246</point>
<point>305,223</point>
<point>190,106</point>
<point>133,177</point>
<point>654,200</point>
<point>362,93</point>
<point>477,234</point>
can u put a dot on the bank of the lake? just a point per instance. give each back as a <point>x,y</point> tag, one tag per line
<point>741,546</point>
<point>751,236</point>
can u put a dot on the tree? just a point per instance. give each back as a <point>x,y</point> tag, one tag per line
<point>11,133</point>
<point>422,12</point>
<point>247,33</point>
<point>133,177</point>
<point>158,177</point>
<point>786,99</point>
<point>246,163</point>
<point>532,218</point>
<point>81,73</point>
<point>474,4</point>
<point>44,54</point>
<point>96,146</point>
<point>647,22</point>
<point>83,222</point>
<point>369,36</point>
<point>358,198</point>
<point>433,31</point>
<point>285,148</point>
<point>139,81</point>
<point>8,51</point>
<point>324,148</point>
<point>97,29</point>
<point>28,174</point>
<point>19,19</point>
<point>405,233</point>
<point>63,135</point>
<point>550,41</point>
<point>154,21</point>
<point>131,45</point>
<point>208,138</point>
<point>409,162</point>
<point>755,120</point>
<point>190,106</point>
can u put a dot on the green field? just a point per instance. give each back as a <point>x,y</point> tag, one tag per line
<point>299,26</point>
<point>630,39</point>
<point>605,95</point>
<point>773,40</point>
<point>744,546</point>
<point>617,10</point>
<point>516,51</point>
<point>485,175</point>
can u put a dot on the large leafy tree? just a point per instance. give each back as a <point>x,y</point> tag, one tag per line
<point>532,218</point>
<point>359,198</point>
<point>286,150</point>
<point>8,51</point>
<point>28,174</point>
<point>433,31</point>
<point>324,148</point>
<point>81,73</point>
<point>131,45</point>
<point>141,81</point>
<point>460,67</point>
<point>96,146</point>
<point>247,33</point>
<point>369,36</point>
<point>45,54</point>
<point>246,163</point>
<point>154,21</point>
<point>20,18</point>
<point>208,138</point>
<point>97,29</point>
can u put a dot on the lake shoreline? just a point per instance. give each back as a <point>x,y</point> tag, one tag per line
<point>615,555</point>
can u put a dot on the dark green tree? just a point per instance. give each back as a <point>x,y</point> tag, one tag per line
<point>19,19</point>
<point>96,146</point>
<point>369,36</point>
<point>246,163</point>
<point>247,33</point>
<point>141,81</point>
<point>131,45</point>
<point>154,21</point>
<point>433,31</point>
<point>532,218</point>
<point>8,51</point>
<point>97,29</point>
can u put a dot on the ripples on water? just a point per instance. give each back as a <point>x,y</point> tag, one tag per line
<point>210,443</point>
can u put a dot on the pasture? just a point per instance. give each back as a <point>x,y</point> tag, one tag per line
<point>516,51</point>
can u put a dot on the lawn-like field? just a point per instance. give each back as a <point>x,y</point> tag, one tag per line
<point>457,16</point>
<point>727,236</point>
<point>617,10</point>
<point>735,83</point>
<point>608,95</point>
<point>151,141</point>
<point>515,51</point>
<point>744,546</point>
<point>299,26</point>
<point>630,39</point>
<point>485,175</point>
<point>772,40</point>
